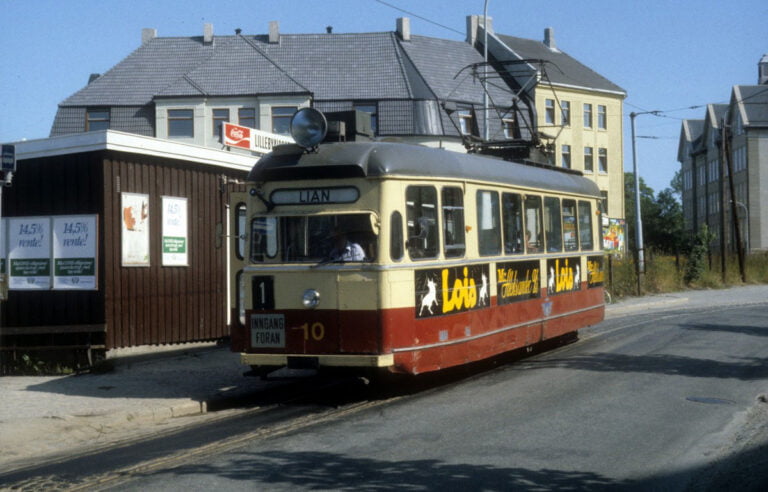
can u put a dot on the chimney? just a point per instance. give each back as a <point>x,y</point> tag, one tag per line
<point>549,38</point>
<point>474,22</point>
<point>93,77</point>
<point>274,32</point>
<point>148,34</point>
<point>208,33</point>
<point>329,29</point>
<point>404,28</point>
<point>762,70</point>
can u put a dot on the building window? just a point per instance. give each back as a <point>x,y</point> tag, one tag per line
<point>565,112</point>
<point>589,165</point>
<point>549,111</point>
<point>604,202</point>
<point>602,160</point>
<point>372,110</point>
<point>181,123</point>
<point>465,121</point>
<point>246,117</point>
<point>96,119</point>
<point>565,156</point>
<point>511,130</point>
<point>587,116</point>
<point>281,119</point>
<point>219,116</point>
<point>602,121</point>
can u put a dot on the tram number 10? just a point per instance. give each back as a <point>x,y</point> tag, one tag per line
<point>316,331</point>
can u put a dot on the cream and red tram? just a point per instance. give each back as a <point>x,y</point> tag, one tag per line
<point>458,258</point>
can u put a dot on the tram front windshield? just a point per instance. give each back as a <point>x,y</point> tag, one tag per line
<point>313,238</point>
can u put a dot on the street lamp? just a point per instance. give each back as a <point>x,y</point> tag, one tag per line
<point>638,218</point>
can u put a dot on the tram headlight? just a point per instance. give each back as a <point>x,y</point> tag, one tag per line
<point>310,299</point>
<point>308,127</point>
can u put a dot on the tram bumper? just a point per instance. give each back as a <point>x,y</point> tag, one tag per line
<point>315,360</point>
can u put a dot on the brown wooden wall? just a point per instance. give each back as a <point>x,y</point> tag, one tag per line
<point>159,304</point>
<point>69,184</point>
<point>138,305</point>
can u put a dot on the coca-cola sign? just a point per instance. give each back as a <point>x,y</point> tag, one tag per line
<point>236,135</point>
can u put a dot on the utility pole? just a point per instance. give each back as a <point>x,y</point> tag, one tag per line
<point>723,225</point>
<point>734,212</point>
<point>640,267</point>
<point>485,73</point>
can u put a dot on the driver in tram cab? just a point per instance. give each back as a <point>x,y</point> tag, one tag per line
<point>344,249</point>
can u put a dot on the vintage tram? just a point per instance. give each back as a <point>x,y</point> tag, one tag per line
<point>408,259</point>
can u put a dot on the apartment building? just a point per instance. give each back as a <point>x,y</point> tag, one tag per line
<point>578,111</point>
<point>724,165</point>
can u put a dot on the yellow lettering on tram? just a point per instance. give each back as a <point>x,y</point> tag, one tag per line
<point>462,295</point>
<point>316,331</point>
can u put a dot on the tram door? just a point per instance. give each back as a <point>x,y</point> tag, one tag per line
<point>235,235</point>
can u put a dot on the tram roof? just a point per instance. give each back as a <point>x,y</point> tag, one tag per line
<point>380,159</point>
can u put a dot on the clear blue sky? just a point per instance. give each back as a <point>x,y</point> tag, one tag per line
<point>667,55</point>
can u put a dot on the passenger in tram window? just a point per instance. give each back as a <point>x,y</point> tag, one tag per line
<point>344,249</point>
<point>530,244</point>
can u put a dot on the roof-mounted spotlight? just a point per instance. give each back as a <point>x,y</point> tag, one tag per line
<point>308,128</point>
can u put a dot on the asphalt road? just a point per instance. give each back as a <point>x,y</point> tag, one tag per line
<point>646,400</point>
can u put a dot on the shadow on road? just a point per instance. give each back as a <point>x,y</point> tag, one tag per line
<point>330,471</point>
<point>744,368</point>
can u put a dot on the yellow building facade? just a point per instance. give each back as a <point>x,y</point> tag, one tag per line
<point>587,135</point>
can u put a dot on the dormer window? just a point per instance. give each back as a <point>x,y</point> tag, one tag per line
<point>181,123</point>
<point>96,119</point>
<point>370,109</point>
<point>465,121</point>
<point>281,119</point>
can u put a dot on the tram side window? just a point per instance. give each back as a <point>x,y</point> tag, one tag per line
<point>570,233</point>
<point>512,216</point>
<point>453,222</point>
<point>553,229</point>
<point>263,238</point>
<point>585,225</point>
<point>533,228</point>
<point>488,223</point>
<point>396,236</point>
<point>421,217</point>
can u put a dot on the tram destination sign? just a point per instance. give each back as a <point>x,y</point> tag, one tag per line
<point>312,196</point>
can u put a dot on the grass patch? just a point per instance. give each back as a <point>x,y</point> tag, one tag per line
<point>665,274</point>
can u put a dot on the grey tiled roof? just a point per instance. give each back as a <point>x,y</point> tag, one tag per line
<point>399,75</point>
<point>752,101</point>
<point>562,68</point>
<point>143,74</point>
<point>690,133</point>
<point>443,63</point>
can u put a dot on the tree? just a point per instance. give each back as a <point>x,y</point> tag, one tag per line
<point>662,216</point>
